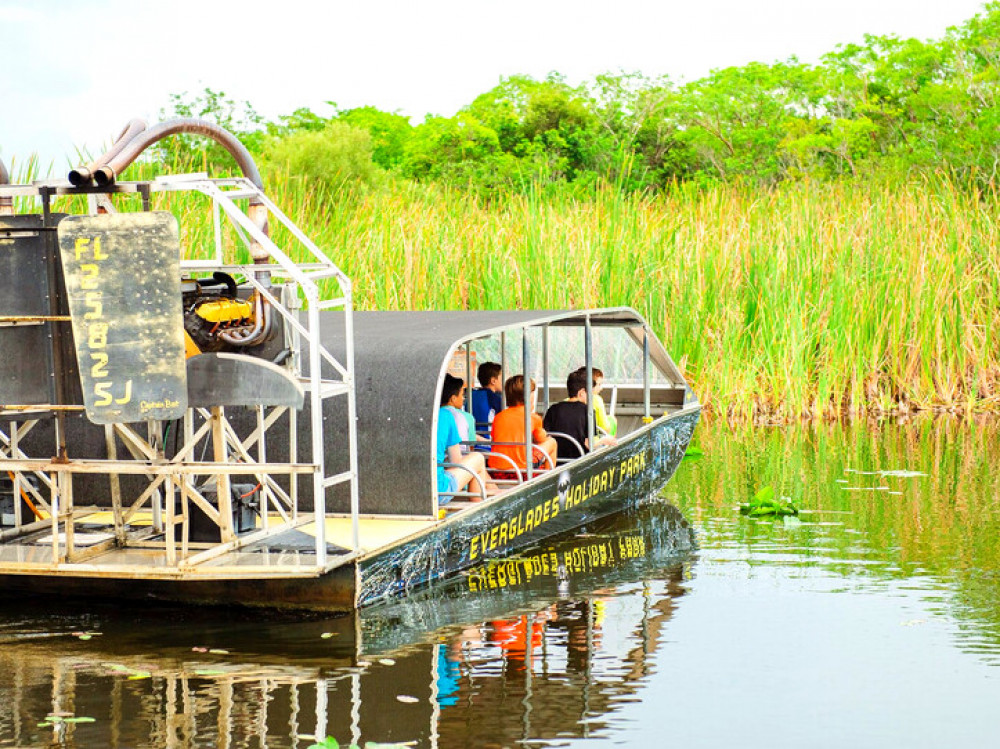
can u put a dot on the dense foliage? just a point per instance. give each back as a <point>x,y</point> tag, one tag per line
<point>886,107</point>
<point>809,240</point>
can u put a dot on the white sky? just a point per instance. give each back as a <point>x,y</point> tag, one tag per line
<point>75,71</point>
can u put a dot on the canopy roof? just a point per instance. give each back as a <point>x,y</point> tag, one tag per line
<point>400,361</point>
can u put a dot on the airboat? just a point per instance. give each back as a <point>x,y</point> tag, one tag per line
<point>200,415</point>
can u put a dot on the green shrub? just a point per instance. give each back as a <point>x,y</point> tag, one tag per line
<point>333,156</point>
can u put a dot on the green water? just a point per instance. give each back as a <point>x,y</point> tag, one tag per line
<point>871,619</point>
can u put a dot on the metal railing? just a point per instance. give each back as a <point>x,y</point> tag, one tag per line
<point>50,488</point>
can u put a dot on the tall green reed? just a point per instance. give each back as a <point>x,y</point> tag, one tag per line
<point>810,299</point>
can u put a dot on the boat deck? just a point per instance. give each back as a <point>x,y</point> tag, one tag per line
<point>291,551</point>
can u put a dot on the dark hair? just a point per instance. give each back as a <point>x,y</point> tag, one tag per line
<point>513,390</point>
<point>594,371</point>
<point>452,386</point>
<point>487,371</point>
<point>576,382</point>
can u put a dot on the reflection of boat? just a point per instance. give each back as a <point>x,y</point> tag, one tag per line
<point>150,425</point>
<point>530,660</point>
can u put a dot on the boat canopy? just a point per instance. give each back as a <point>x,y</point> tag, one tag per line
<point>401,359</point>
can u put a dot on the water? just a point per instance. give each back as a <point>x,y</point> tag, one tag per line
<point>872,619</point>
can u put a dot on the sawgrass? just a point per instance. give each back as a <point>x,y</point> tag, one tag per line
<point>809,300</point>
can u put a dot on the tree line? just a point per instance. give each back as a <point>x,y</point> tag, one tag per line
<point>887,107</point>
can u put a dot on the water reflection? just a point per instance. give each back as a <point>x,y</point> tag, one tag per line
<point>913,504</point>
<point>879,602</point>
<point>539,645</point>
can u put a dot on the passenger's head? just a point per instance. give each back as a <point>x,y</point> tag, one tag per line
<point>453,386</point>
<point>597,374</point>
<point>576,385</point>
<point>513,390</point>
<point>489,374</point>
<point>598,379</point>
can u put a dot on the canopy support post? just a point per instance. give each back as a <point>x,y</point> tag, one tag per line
<point>526,360</point>
<point>646,418</point>
<point>468,379</point>
<point>545,368</point>
<point>503,368</point>
<point>588,350</point>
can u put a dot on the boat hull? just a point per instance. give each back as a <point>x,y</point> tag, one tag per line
<point>607,481</point>
<point>604,482</point>
<point>333,591</point>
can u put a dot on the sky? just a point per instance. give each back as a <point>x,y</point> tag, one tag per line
<point>75,71</point>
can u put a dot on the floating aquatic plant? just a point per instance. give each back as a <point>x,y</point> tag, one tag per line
<point>764,504</point>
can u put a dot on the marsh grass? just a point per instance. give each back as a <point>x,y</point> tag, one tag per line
<point>810,300</point>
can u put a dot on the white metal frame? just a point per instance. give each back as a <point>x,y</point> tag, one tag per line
<point>176,476</point>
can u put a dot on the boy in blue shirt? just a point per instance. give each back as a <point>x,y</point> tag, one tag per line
<point>487,400</point>
<point>449,450</point>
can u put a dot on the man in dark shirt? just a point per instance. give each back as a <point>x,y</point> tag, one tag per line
<point>569,417</point>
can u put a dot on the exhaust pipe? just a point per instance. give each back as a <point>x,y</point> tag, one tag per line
<point>84,175</point>
<point>110,168</point>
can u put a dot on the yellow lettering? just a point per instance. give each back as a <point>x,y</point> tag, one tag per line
<point>97,335</point>
<point>128,394</point>
<point>493,538</point>
<point>503,533</point>
<point>81,246</point>
<point>98,254</point>
<point>555,506</point>
<point>100,367</point>
<point>90,274</point>
<point>103,389</point>
<point>96,311</point>
<point>474,547</point>
<point>538,515</point>
<point>545,512</point>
